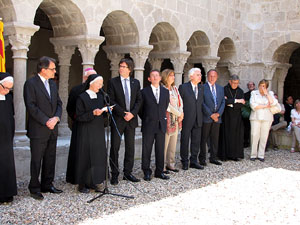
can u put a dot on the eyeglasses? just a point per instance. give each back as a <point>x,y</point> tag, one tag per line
<point>123,66</point>
<point>52,69</point>
<point>5,88</point>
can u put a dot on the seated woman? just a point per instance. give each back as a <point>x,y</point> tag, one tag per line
<point>295,116</point>
<point>261,119</point>
<point>90,165</point>
<point>8,184</point>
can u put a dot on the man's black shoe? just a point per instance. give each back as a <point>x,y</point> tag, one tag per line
<point>162,176</point>
<point>131,178</point>
<point>185,166</point>
<point>114,181</point>
<point>83,189</point>
<point>215,162</point>
<point>52,190</point>
<point>147,177</point>
<point>196,166</point>
<point>203,163</point>
<point>37,195</point>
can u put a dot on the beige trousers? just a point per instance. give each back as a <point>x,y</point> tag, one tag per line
<point>170,149</point>
<point>296,136</point>
<point>273,132</point>
<point>259,134</point>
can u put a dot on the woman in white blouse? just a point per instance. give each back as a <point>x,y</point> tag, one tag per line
<point>261,119</point>
<point>174,119</point>
<point>295,115</point>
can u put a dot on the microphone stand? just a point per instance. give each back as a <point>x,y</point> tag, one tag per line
<point>109,115</point>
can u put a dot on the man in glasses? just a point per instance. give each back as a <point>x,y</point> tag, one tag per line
<point>44,109</point>
<point>124,92</point>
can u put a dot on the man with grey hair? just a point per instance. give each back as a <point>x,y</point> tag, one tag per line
<point>232,128</point>
<point>71,109</point>
<point>192,96</point>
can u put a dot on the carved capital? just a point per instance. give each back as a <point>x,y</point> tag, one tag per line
<point>155,62</point>
<point>269,70</point>
<point>88,48</point>
<point>234,68</point>
<point>178,60</point>
<point>210,63</point>
<point>140,55</point>
<point>64,54</point>
<point>19,43</point>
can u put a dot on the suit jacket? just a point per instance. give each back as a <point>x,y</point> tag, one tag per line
<point>40,107</point>
<point>192,107</point>
<point>153,115</point>
<point>73,95</point>
<point>117,97</point>
<point>209,105</point>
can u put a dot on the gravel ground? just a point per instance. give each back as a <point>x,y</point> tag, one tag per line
<point>242,192</point>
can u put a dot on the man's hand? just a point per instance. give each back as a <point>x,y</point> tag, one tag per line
<point>215,117</point>
<point>128,116</point>
<point>52,122</point>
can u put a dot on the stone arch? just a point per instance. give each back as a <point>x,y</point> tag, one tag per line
<point>227,54</point>
<point>284,52</point>
<point>65,17</point>
<point>120,29</point>
<point>199,44</point>
<point>7,11</point>
<point>164,38</point>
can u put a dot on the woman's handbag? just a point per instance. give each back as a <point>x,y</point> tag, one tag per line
<point>275,108</point>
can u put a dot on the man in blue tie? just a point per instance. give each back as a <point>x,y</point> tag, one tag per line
<point>213,107</point>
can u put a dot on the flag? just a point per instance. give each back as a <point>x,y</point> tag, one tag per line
<point>2,49</point>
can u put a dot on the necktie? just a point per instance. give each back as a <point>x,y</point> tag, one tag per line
<point>127,100</point>
<point>47,87</point>
<point>214,95</point>
<point>196,92</point>
<point>156,95</point>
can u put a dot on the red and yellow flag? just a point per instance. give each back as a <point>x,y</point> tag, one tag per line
<point>2,49</point>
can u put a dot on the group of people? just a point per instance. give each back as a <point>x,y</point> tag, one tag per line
<point>208,115</point>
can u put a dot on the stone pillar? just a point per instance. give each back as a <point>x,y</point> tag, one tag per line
<point>186,70</point>
<point>114,62</point>
<point>88,48</point>
<point>64,56</point>
<point>20,43</point>
<point>234,69</point>
<point>209,63</point>
<point>139,56</point>
<point>178,61</point>
<point>268,72</point>
<point>155,63</point>
<point>281,78</point>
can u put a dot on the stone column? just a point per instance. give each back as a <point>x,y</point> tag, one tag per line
<point>209,63</point>
<point>186,70</point>
<point>178,61</point>
<point>155,63</point>
<point>268,72</point>
<point>139,56</point>
<point>281,78</point>
<point>64,56</point>
<point>114,62</point>
<point>20,43</point>
<point>88,48</point>
<point>234,68</point>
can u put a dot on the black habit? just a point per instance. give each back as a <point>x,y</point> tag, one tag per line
<point>90,164</point>
<point>232,129</point>
<point>8,185</point>
<point>71,109</point>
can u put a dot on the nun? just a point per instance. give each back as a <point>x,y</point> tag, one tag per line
<point>90,165</point>
<point>8,184</point>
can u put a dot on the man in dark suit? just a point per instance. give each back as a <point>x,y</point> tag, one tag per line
<point>124,92</point>
<point>192,97</point>
<point>154,125</point>
<point>44,109</point>
<point>213,108</point>
<point>71,109</point>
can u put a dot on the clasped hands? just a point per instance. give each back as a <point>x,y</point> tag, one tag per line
<point>215,117</point>
<point>52,122</point>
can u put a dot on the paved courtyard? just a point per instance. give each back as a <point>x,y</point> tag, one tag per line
<point>242,192</point>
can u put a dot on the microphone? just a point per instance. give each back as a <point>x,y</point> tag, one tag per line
<point>106,97</point>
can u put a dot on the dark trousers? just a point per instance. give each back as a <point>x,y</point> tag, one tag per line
<point>210,131</point>
<point>194,134</point>
<point>43,153</point>
<point>247,129</point>
<point>148,140</point>
<point>129,134</point>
